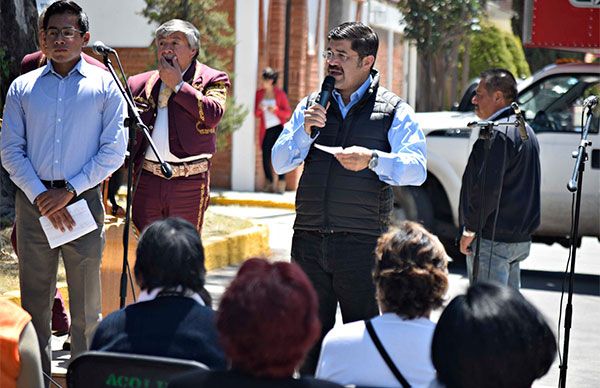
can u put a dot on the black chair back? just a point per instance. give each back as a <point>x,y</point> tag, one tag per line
<point>105,369</point>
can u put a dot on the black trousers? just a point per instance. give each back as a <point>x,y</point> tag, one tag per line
<point>339,265</point>
<point>269,140</point>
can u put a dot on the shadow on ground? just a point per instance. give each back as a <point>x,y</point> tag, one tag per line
<point>583,284</point>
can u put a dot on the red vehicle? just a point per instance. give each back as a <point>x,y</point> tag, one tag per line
<point>562,24</point>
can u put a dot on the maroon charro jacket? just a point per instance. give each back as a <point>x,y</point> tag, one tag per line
<point>37,59</point>
<point>194,112</point>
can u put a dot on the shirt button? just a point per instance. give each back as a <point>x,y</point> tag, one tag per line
<point>59,120</point>
<point>57,140</point>
<point>56,161</point>
<point>60,99</point>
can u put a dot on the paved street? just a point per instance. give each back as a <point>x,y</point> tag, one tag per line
<point>542,279</point>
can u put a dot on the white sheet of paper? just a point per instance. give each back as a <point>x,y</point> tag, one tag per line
<point>331,150</point>
<point>84,223</point>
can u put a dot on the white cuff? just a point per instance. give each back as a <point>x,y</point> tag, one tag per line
<point>468,233</point>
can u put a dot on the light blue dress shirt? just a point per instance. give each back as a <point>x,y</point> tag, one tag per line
<point>63,128</point>
<point>406,164</point>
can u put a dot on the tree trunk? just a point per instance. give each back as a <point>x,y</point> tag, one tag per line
<point>452,96</point>
<point>18,36</point>
<point>466,64</point>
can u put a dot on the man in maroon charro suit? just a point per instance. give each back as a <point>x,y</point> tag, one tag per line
<point>181,103</point>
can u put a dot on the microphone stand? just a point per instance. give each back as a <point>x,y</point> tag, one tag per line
<point>133,122</point>
<point>574,185</point>
<point>485,133</point>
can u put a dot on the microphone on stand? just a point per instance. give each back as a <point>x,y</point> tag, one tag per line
<point>324,94</point>
<point>520,121</point>
<point>102,49</point>
<point>590,102</point>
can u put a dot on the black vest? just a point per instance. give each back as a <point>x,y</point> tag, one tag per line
<point>329,197</point>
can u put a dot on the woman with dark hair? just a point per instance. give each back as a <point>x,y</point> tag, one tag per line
<point>272,109</point>
<point>491,337</point>
<point>173,315</point>
<point>267,321</point>
<point>411,280</point>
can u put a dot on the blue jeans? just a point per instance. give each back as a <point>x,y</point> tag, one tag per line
<point>339,266</point>
<point>503,266</point>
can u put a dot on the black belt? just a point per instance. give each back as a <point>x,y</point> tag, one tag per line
<point>55,184</point>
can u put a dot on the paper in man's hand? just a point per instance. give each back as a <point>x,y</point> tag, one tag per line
<point>329,150</point>
<point>84,223</point>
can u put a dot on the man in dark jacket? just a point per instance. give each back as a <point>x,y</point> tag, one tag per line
<point>345,199</point>
<point>511,194</point>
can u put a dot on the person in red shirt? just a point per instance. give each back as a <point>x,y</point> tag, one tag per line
<point>272,109</point>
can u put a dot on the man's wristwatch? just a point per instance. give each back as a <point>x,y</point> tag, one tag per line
<point>69,187</point>
<point>374,161</point>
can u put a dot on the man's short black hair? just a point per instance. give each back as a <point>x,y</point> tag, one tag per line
<point>502,80</point>
<point>66,6</point>
<point>363,39</point>
<point>270,74</point>
<point>491,337</point>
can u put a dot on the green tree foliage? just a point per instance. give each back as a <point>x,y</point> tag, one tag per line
<point>492,47</point>
<point>513,43</point>
<point>216,37</point>
<point>438,28</point>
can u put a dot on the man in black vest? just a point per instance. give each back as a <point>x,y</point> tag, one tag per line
<point>344,200</point>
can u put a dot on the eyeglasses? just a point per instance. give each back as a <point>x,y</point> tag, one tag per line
<point>330,56</point>
<point>66,32</point>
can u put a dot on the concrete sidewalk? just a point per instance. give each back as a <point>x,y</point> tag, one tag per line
<point>257,199</point>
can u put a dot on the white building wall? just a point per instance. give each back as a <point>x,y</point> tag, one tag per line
<point>117,23</point>
<point>243,155</point>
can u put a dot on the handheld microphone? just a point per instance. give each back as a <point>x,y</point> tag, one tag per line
<point>326,90</point>
<point>590,102</point>
<point>520,121</point>
<point>324,94</point>
<point>102,49</point>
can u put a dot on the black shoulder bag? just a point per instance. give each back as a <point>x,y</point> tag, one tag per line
<point>384,354</point>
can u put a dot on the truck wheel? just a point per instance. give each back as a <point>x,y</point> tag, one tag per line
<point>413,203</point>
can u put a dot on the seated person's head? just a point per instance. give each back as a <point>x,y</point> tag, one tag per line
<point>170,255</point>
<point>410,273</point>
<point>268,318</point>
<point>491,337</point>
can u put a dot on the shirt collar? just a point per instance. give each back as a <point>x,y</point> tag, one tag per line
<point>358,94</point>
<point>498,112</point>
<point>82,67</point>
<point>148,295</point>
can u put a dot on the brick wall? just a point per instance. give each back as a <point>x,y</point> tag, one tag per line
<point>398,86</point>
<point>381,63</point>
<point>220,174</point>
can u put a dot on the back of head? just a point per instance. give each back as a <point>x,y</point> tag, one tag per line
<point>491,337</point>
<point>500,80</point>
<point>410,271</point>
<point>66,6</point>
<point>268,318</point>
<point>362,37</point>
<point>170,254</point>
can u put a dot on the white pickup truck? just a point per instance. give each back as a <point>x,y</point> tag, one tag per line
<point>552,101</point>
